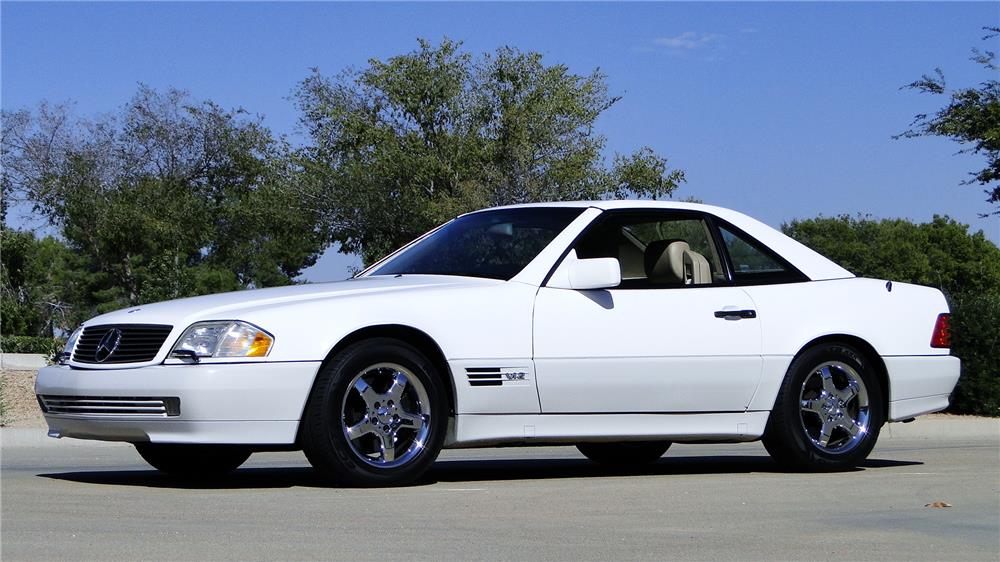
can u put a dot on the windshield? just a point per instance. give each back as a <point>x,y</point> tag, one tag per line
<point>492,244</point>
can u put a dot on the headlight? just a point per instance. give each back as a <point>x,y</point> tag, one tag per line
<point>67,351</point>
<point>227,338</point>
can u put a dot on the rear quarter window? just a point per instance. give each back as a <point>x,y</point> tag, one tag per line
<point>755,263</point>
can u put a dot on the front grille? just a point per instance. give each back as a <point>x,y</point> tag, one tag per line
<point>138,343</point>
<point>110,405</point>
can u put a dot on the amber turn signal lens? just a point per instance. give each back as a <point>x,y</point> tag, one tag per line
<point>941,337</point>
<point>260,346</point>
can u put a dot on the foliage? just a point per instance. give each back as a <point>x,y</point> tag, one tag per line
<point>976,339</point>
<point>943,254</point>
<point>414,140</point>
<point>31,344</point>
<point>170,197</point>
<point>35,283</point>
<point>972,117</point>
<point>165,198</point>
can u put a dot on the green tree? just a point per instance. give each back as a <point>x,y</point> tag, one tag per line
<point>414,140</point>
<point>167,197</point>
<point>972,118</point>
<point>36,280</point>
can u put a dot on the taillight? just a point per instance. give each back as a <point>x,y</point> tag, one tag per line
<point>942,331</point>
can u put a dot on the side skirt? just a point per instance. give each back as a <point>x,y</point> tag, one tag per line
<point>485,430</point>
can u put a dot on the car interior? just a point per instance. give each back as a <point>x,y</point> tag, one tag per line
<point>656,253</point>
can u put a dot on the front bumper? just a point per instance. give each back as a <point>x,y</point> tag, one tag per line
<point>249,403</point>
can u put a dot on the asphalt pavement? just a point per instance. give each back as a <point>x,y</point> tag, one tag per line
<point>72,500</point>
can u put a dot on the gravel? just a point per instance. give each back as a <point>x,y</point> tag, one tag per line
<point>18,407</point>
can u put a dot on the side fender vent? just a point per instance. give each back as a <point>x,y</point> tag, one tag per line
<point>484,376</point>
<point>498,376</point>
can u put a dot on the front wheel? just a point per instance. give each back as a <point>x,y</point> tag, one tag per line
<point>193,461</point>
<point>377,415</point>
<point>624,453</point>
<point>828,412</point>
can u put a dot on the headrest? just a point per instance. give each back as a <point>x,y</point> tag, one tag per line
<point>664,261</point>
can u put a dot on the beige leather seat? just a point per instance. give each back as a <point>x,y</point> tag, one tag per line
<point>701,272</point>
<point>673,262</point>
<point>631,257</point>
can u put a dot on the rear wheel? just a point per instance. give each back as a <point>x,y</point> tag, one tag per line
<point>193,461</point>
<point>376,416</point>
<point>624,453</point>
<point>828,412</point>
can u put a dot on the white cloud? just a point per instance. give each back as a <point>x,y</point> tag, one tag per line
<point>688,41</point>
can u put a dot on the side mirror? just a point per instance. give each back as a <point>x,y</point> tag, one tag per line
<point>594,273</point>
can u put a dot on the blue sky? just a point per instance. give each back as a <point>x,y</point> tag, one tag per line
<point>779,110</point>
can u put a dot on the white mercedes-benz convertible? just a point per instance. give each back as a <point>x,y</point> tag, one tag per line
<point>616,326</point>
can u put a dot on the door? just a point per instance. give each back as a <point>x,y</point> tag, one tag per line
<point>673,337</point>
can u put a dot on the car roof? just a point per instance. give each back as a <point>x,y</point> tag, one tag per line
<point>813,264</point>
<point>614,204</point>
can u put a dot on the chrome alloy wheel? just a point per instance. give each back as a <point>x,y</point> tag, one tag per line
<point>833,407</point>
<point>385,415</point>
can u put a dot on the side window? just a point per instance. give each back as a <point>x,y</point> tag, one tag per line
<point>655,250</point>
<point>752,262</point>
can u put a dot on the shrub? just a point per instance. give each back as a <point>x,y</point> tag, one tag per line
<point>30,344</point>
<point>975,325</point>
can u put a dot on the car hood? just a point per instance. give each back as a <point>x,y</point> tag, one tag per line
<point>230,306</point>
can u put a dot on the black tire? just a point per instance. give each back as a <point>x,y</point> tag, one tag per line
<point>193,461</point>
<point>794,432</point>
<point>347,462</point>
<point>624,453</point>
